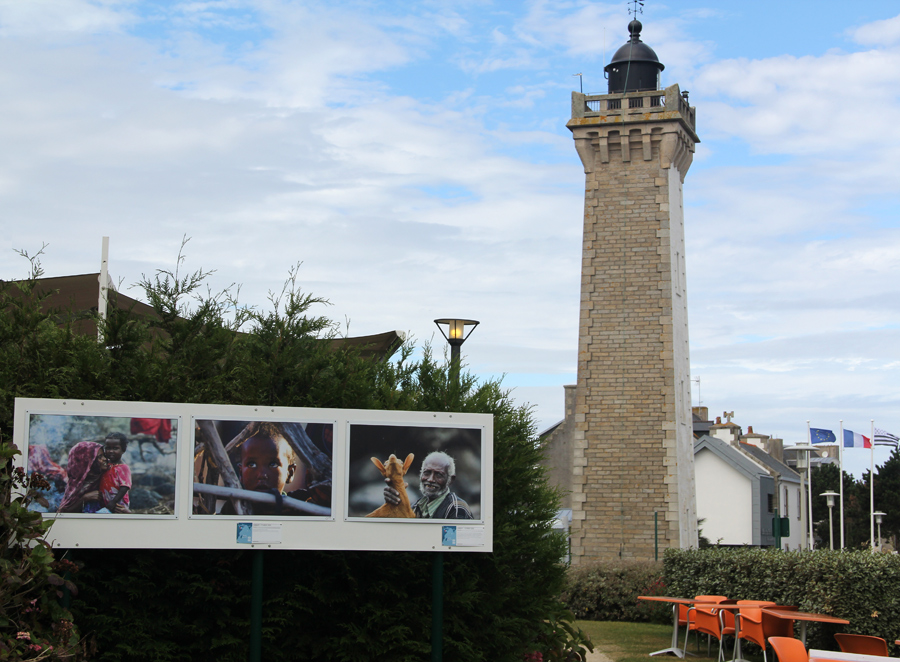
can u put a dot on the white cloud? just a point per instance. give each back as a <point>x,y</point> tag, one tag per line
<point>878,33</point>
<point>594,31</point>
<point>838,105</point>
<point>38,17</point>
<point>578,26</point>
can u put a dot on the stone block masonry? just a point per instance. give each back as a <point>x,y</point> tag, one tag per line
<point>632,448</point>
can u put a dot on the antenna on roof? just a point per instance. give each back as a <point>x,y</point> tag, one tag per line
<point>580,82</point>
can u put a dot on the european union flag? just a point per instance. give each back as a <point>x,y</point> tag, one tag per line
<point>821,436</point>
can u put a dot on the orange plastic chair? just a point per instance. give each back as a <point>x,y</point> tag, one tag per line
<point>751,625</point>
<point>862,643</point>
<point>703,619</point>
<point>683,609</point>
<point>788,649</point>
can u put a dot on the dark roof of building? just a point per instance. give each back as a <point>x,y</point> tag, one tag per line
<point>761,456</point>
<point>79,296</point>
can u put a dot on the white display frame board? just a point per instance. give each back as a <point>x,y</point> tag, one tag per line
<point>338,530</point>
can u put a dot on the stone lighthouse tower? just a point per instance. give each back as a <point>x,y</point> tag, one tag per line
<point>633,473</point>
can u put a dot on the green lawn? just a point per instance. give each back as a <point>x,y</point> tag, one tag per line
<point>633,642</point>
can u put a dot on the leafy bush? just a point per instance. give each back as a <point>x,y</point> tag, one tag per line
<point>860,586</point>
<point>33,625</point>
<point>608,591</point>
<point>559,640</point>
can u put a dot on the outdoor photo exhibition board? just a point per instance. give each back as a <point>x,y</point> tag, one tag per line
<point>184,476</point>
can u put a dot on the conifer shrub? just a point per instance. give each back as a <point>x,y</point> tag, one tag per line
<point>161,605</point>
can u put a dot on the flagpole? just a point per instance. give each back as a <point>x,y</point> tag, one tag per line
<point>809,487</point>
<point>872,489</point>
<point>841,476</point>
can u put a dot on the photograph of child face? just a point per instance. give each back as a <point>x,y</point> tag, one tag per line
<point>262,468</point>
<point>267,464</point>
<point>114,448</point>
<point>88,462</point>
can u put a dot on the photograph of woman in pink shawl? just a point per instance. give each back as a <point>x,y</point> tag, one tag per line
<point>87,463</point>
<point>93,467</point>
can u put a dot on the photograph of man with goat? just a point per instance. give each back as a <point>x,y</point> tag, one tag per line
<point>447,462</point>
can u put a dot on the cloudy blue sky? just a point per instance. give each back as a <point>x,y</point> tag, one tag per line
<point>414,158</point>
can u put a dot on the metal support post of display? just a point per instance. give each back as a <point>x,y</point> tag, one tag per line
<point>256,600</point>
<point>437,606</point>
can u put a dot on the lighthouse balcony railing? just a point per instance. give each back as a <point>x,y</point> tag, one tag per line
<point>595,105</point>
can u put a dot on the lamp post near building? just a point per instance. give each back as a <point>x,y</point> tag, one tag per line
<point>829,497</point>
<point>878,515</point>
<point>802,454</point>
<point>455,336</point>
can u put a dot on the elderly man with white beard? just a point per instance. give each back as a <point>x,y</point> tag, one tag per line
<point>437,473</point>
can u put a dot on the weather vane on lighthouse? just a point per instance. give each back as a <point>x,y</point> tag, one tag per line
<point>637,8</point>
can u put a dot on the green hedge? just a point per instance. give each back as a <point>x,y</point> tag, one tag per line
<point>860,586</point>
<point>608,590</point>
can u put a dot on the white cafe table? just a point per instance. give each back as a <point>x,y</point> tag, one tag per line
<point>815,654</point>
<point>674,649</point>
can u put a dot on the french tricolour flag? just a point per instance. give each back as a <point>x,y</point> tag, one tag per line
<point>855,440</point>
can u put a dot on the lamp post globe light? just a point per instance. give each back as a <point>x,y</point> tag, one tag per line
<point>455,335</point>
<point>829,497</point>
<point>878,516</point>
<point>802,452</point>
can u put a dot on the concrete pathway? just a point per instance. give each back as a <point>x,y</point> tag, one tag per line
<point>597,656</point>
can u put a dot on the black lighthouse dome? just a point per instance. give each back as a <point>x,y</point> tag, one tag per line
<point>634,67</point>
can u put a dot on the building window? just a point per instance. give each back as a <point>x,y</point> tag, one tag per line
<point>770,499</point>
<point>787,511</point>
<point>799,511</point>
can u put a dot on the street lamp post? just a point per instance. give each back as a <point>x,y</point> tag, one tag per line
<point>455,336</point>
<point>878,515</point>
<point>829,497</point>
<point>802,455</point>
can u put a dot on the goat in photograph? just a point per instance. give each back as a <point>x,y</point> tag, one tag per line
<point>394,471</point>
